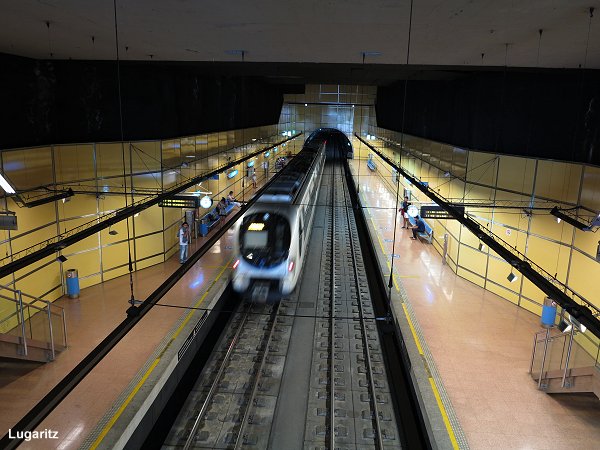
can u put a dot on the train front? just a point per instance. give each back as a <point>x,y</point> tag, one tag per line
<point>263,269</point>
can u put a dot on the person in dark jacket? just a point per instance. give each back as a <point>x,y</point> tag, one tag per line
<point>418,228</point>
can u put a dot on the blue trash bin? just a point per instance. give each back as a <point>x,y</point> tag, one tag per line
<point>548,313</point>
<point>72,277</point>
<point>203,229</point>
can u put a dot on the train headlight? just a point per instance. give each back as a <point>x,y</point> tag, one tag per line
<point>291,266</point>
<point>236,263</point>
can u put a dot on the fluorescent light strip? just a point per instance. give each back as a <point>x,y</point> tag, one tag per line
<point>6,185</point>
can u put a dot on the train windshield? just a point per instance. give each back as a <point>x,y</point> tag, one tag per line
<point>265,239</point>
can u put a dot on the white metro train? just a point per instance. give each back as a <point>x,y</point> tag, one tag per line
<point>271,238</point>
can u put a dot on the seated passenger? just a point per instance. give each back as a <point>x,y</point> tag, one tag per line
<point>231,199</point>
<point>221,206</point>
<point>418,228</point>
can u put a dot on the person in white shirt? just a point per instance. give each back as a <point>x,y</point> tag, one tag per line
<point>184,239</point>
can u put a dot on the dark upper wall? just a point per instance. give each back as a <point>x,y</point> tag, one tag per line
<point>553,115</point>
<point>51,102</point>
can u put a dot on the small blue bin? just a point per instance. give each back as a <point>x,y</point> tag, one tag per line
<point>203,229</point>
<point>548,313</point>
<point>72,277</point>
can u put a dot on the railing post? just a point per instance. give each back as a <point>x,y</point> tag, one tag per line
<point>533,352</point>
<point>544,357</point>
<point>571,336</point>
<point>51,331</point>
<point>64,321</point>
<point>22,317</point>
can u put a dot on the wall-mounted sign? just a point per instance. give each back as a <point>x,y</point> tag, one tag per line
<point>250,163</point>
<point>508,231</point>
<point>267,154</point>
<point>215,177</point>
<point>232,174</point>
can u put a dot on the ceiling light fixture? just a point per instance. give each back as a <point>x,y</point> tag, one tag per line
<point>6,185</point>
<point>512,277</point>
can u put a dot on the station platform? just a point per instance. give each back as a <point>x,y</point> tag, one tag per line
<point>480,346</point>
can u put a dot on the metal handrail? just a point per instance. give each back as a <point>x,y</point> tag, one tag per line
<point>21,305</point>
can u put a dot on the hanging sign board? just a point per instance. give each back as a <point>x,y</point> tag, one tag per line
<point>437,212</point>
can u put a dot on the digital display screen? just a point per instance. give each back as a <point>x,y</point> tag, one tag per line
<point>256,239</point>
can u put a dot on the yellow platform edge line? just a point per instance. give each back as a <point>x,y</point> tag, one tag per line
<point>138,386</point>
<point>436,393</point>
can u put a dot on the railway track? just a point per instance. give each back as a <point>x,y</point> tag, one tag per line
<point>237,401</point>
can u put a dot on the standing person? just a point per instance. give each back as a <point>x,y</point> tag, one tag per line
<point>253,178</point>
<point>404,210</point>
<point>418,228</point>
<point>184,239</point>
<point>265,166</point>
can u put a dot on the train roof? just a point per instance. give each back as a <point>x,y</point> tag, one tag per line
<point>289,183</point>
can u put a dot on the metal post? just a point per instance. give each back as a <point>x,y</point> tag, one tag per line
<point>564,378</point>
<point>533,352</point>
<point>445,249</point>
<point>22,316</point>
<point>546,339</point>
<point>51,330</point>
<point>64,321</point>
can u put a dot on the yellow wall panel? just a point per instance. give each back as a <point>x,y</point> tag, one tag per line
<point>115,255</point>
<point>89,281</point>
<point>33,238</point>
<point>532,291</point>
<point>149,220</point>
<point>28,168</point>
<point>149,262</point>
<point>471,259</point>
<point>78,205</point>
<point>111,203</point>
<point>40,282</point>
<point>86,263</point>
<point>499,270</point>
<point>145,156</point>
<point>552,257</point>
<point>502,292</point>
<point>149,245</point>
<point>532,307</point>
<point>545,225</point>
<point>516,173</point>
<point>473,278</point>
<point>590,192</point>
<point>74,162</point>
<point>90,242</point>
<point>109,159</point>
<point>584,276</point>
<point>558,180</point>
<point>114,273</point>
<point>482,168</point>
<point>587,241</point>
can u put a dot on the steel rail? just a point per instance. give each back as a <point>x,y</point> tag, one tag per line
<point>332,319</point>
<point>213,387</point>
<point>239,441</point>
<point>367,352</point>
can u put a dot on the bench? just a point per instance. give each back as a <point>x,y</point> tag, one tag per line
<point>428,234</point>
<point>227,210</point>
<point>371,165</point>
<point>206,224</point>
